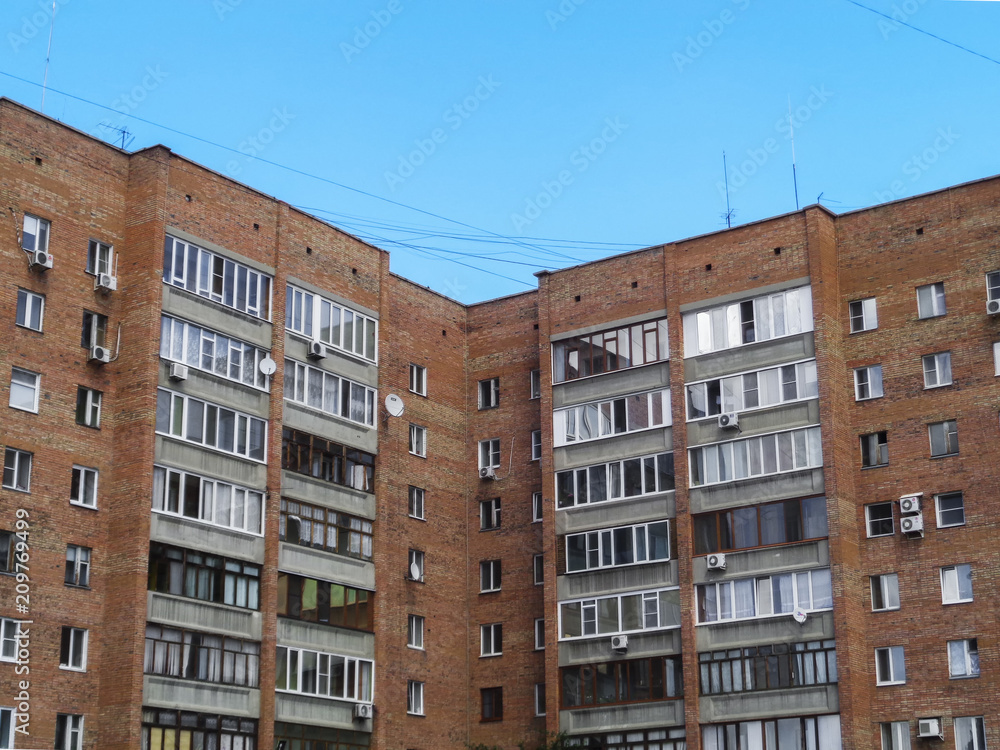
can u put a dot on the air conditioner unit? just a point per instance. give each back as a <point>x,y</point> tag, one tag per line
<point>716,561</point>
<point>41,260</point>
<point>619,643</point>
<point>930,728</point>
<point>993,307</point>
<point>178,371</point>
<point>100,354</point>
<point>317,350</point>
<point>105,282</point>
<point>910,503</point>
<point>730,421</point>
<point>913,525</point>
<point>487,472</point>
<point>363,710</point>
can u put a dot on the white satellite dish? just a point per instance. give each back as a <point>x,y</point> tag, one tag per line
<point>267,366</point>
<point>414,571</point>
<point>799,616</point>
<point>394,405</point>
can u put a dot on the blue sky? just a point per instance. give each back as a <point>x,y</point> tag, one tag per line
<point>530,134</point>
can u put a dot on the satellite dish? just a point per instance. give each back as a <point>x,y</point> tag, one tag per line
<point>394,405</point>
<point>414,571</point>
<point>267,366</point>
<point>799,616</point>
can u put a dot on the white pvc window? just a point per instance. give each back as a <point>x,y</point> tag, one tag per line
<point>203,423</point>
<point>331,394</point>
<point>752,390</point>
<point>209,351</point>
<point>621,613</point>
<point>320,319</point>
<point>216,278</point>
<point>776,453</point>
<point>641,411</point>
<point>181,493</point>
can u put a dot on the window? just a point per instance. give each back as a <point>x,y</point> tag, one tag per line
<point>415,698</point>
<point>77,565</point>
<point>418,440</point>
<point>321,528</point>
<point>874,449</point>
<point>216,278</point>
<point>536,507</point>
<point>768,667</point>
<point>536,445</point>
<point>608,351</point>
<point>329,393</point>
<point>415,632</point>
<point>599,419</point>
<point>320,319</point>
<point>69,732</point>
<point>100,258</point>
<point>944,438</point>
<point>996,358</point>
<point>8,546</point>
<point>937,369</point>
<point>418,380</point>
<point>489,393</point>
<point>489,576</point>
<point>895,735</point>
<point>30,309</point>
<point>868,382</point>
<point>793,733</point>
<point>489,514</point>
<point>200,575</point>
<point>302,736</point>
<point>204,423</point>
<point>88,407</point>
<point>326,460</point>
<point>538,566</point>
<point>890,667</point>
<point>631,477</point>
<point>783,522</point>
<point>73,649</point>
<point>539,699</point>
<point>963,658</point>
<point>192,655</point>
<point>489,454</point>
<point>210,351</point>
<point>993,285</point>
<point>535,384</point>
<point>10,635</point>
<point>24,387</point>
<point>539,634</point>
<point>956,584</point>
<point>17,470</point>
<point>492,704</point>
<point>864,316</point>
<point>620,613</point>
<point>83,487</point>
<point>416,502</point>
<point>757,456</point>
<point>325,675</point>
<point>750,390</point>
<point>950,509</point>
<point>879,519</point>
<point>7,727</point>
<point>35,234</point>
<point>210,501</point>
<point>491,639</point>
<point>94,331</point>
<point>765,596</point>
<point>764,318</point>
<point>885,592</point>
<point>415,571</point>
<point>324,602</point>
<point>970,733</point>
<point>930,300</point>
<point>632,681</point>
<point>164,729</point>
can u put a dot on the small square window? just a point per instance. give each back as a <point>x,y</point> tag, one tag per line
<point>35,234</point>
<point>415,632</point>
<point>868,382</point>
<point>539,699</point>
<point>24,387</point>
<point>535,384</point>
<point>944,438</point>
<point>489,576</point>
<point>963,658</point>
<point>879,518</point>
<point>930,300</point>
<point>17,470</point>
<point>416,502</point>
<point>94,331</point>
<point>937,369</point>
<point>489,393</point>
<point>970,733</point>
<point>9,632</point>
<point>536,445</point>
<point>885,592</point>
<point>77,565</point>
<point>491,639</point>
<point>539,634</point>
<point>492,704</point>
<point>73,649</point>
<point>874,449</point>
<point>895,735</point>
<point>415,569</point>
<point>993,285</point>
<point>415,698</point>
<point>100,258</point>
<point>489,453</point>
<point>88,407</point>
<point>950,509</point>
<point>69,732</point>
<point>418,440</point>
<point>956,584</point>
<point>864,316</point>
<point>489,514</point>
<point>418,380</point>
<point>890,666</point>
<point>30,309</point>
<point>83,487</point>
<point>536,507</point>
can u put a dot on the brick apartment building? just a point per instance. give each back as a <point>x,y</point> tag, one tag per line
<point>271,495</point>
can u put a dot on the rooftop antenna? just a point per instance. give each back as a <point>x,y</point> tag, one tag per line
<point>729,211</point>
<point>795,179</point>
<point>48,54</point>
<point>126,134</point>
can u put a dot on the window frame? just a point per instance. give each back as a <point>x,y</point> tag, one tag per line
<point>705,464</point>
<point>622,415</point>
<point>418,379</point>
<point>88,407</point>
<point>489,453</point>
<point>69,729</point>
<point>356,332</point>
<point>30,305</point>
<point>21,458</point>
<point>969,656</point>
<point>868,380</point>
<point>539,699</point>
<point>336,605</point>
<point>493,697</point>
<point>42,229</point>
<point>749,390</point>
<point>93,330</point>
<point>199,656</point>
<point>175,418</point>
<point>939,369</point>
<point>869,520</point>
<point>415,632</point>
<point>416,497</point>
<point>329,530</point>
<point>73,649</point>
<point>895,735</point>
<point>492,644</point>
<point>660,604</point>
<point>416,556</point>
<point>77,572</point>
<point>490,576</point>
<point>327,460</point>
<point>24,388</point>
<point>726,596</point>
<point>948,430</point>
<point>8,547</point>
<point>415,698</point>
<point>360,689</point>
<point>887,585</point>
<point>534,384</point>
<point>536,445</point>
<point>204,500</point>
<point>186,570</point>
<point>893,658</point>
<point>769,523</point>
<point>210,351</point>
<point>100,258</point>
<point>537,507</point>
<point>337,396</point>
<point>10,636</point>
<point>936,300</point>
<point>81,483</point>
<point>972,726</point>
<point>490,514</point>
<point>879,440</point>
<point>539,634</point>
<point>574,486</point>
<point>860,310</point>
<point>538,569</point>
<point>418,440</point>
<point>489,393</point>
<point>951,585</point>
<point>573,357</point>
<point>938,498</point>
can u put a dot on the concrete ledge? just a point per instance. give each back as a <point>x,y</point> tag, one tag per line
<point>321,712</point>
<point>755,491</point>
<point>758,422</point>
<point>611,384</point>
<point>599,583</point>
<point>187,695</point>
<point>598,650</point>
<point>814,699</point>
<point>337,362</point>
<point>749,357</point>
<point>214,315</point>
<point>300,417</point>
<point>613,512</point>
<point>781,629</point>
<point>198,615</point>
<point>613,718</point>
<point>327,638</point>
<point>214,464</point>
<point>627,445</point>
<point>314,563</point>
<point>802,556</point>
<point>327,494</point>
<point>183,532</point>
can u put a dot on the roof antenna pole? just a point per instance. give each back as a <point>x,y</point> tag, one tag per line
<point>48,54</point>
<point>729,211</point>
<point>795,179</point>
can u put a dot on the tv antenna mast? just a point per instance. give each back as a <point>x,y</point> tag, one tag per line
<point>48,54</point>
<point>791,126</point>
<point>729,212</point>
<point>123,132</point>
